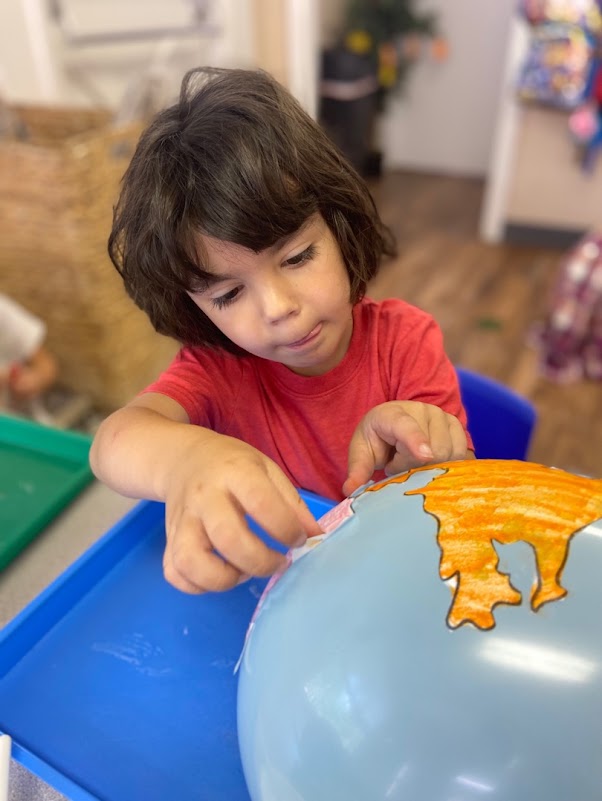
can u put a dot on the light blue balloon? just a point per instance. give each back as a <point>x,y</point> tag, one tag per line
<point>353,688</point>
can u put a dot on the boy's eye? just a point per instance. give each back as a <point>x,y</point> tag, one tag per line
<point>301,258</point>
<point>225,300</point>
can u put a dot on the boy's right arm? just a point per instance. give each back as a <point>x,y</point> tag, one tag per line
<point>209,482</point>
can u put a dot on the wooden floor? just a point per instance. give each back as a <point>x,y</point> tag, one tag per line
<point>486,298</point>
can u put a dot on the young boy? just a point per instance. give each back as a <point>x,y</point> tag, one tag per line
<point>244,233</point>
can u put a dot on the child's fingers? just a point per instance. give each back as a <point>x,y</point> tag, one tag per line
<point>190,563</point>
<point>447,437</point>
<point>274,504</point>
<point>308,522</point>
<point>362,460</point>
<point>388,427</point>
<point>212,555</point>
<point>447,442</point>
<point>176,579</point>
<point>209,543</point>
<point>237,544</point>
<point>405,459</point>
<point>394,426</point>
<point>459,441</point>
<point>219,516</point>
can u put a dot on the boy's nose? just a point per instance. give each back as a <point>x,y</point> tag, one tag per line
<point>278,301</point>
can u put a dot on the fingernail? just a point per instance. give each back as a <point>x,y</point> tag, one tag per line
<point>425,451</point>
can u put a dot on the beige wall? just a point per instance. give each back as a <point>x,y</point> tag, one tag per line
<point>444,119</point>
<point>286,43</point>
<point>548,187</point>
<point>270,33</point>
<point>270,37</point>
<point>331,14</point>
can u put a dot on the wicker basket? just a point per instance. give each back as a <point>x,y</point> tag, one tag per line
<point>57,191</point>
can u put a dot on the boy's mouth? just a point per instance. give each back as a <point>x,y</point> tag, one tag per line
<point>299,343</point>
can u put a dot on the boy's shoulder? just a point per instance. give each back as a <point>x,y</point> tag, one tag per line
<point>217,363</point>
<point>395,330</point>
<point>392,311</point>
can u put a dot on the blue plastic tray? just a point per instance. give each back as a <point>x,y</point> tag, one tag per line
<point>114,686</point>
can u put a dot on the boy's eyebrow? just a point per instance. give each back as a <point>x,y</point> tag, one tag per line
<point>204,283</point>
<point>283,241</point>
<point>208,279</point>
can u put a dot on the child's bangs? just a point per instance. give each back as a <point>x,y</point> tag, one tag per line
<point>254,203</point>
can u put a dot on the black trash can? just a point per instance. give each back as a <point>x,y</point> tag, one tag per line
<point>349,101</point>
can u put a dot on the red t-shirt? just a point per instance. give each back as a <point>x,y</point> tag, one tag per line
<point>305,423</point>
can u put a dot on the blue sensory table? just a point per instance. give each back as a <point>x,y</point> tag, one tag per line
<point>115,686</point>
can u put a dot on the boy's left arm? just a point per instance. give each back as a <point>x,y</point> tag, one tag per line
<point>398,435</point>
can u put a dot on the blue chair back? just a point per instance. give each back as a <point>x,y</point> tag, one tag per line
<point>500,421</point>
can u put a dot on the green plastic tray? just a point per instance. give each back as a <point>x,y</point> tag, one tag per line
<point>41,470</point>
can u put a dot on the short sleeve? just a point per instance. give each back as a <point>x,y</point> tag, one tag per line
<point>206,383</point>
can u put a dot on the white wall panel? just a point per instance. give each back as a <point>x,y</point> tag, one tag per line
<point>99,74</point>
<point>445,119</point>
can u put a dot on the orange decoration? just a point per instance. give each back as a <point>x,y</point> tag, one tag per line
<point>477,502</point>
<point>440,49</point>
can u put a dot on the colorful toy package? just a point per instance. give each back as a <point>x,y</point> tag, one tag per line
<point>586,14</point>
<point>557,70</point>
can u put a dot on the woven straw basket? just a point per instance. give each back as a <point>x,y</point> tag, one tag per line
<point>57,192</point>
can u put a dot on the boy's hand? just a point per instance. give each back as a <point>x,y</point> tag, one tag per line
<point>210,488</point>
<point>399,435</point>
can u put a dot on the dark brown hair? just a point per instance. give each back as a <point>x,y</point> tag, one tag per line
<point>238,159</point>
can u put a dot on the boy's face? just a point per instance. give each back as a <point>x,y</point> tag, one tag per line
<point>289,303</point>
